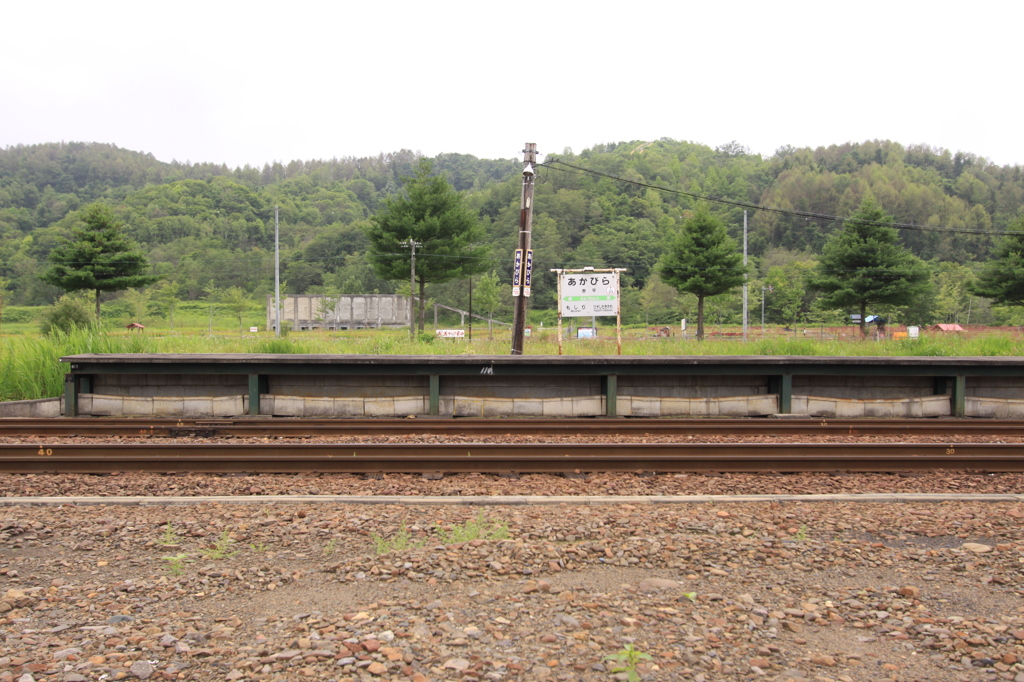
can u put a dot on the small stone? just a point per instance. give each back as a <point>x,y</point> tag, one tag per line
<point>910,591</point>
<point>654,584</point>
<point>976,547</point>
<point>141,669</point>
<point>114,620</point>
<point>824,660</point>
<point>456,664</point>
<point>376,668</point>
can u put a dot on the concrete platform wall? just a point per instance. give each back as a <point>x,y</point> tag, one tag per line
<point>691,386</point>
<point>1011,388</point>
<point>170,385</point>
<point>490,386</point>
<point>322,386</point>
<point>864,387</point>
<point>44,408</point>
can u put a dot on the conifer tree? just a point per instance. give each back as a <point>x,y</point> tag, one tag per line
<point>702,260</point>
<point>864,264</point>
<point>100,257</point>
<point>431,213</point>
<point>1002,279</point>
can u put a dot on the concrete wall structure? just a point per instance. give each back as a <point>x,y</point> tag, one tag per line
<point>542,386</point>
<point>348,311</point>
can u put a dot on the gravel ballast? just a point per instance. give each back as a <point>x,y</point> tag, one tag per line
<point>766,590</point>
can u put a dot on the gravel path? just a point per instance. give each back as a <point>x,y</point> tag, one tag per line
<point>327,591</point>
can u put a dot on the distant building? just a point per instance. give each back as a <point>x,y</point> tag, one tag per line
<point>348,311</point>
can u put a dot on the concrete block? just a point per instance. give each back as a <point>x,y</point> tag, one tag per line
<point>196,407</point>
<point>993,408</point>
<point>406,405</point>
<point>527,407</point>
<point>468,407</point>
<point>637,406</point>
<point>106,405</point>
<point>229,406</point>
<point>286,406</point>
<point>318,407</point>
<point>558,407</point>
<point>498,407</point>
<point>588,406</point>
<point>349,407</point>
<point>168,407</point>
<point>135,406</point>
<point>379,407</point>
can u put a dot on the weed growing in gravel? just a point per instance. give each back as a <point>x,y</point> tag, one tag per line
<point>692,596</point>
<point>401,541</point>
<point>259,546</point>
<point>801,534</point>
<point>176,564</point>
<point>627,659</point>
<point>222,548</point>
<point>170,536</point>
<point>479,528</point>
<point>331,546</point>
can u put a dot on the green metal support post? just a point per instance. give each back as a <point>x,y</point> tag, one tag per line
<point>435,395</point>
<point>611,391</point>
<point>70,395</point>
<point>958,398</point>
<point>256,383</point>
<point>783,385</point>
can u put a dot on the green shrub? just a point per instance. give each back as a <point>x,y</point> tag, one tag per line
<point>67,314</point>
<point>426,337</point>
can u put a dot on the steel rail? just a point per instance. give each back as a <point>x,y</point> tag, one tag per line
<point>518,457</point>
<point>102,426</point>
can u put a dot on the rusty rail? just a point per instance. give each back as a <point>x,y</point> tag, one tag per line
<point>500,458</point>
<point>101,427</point>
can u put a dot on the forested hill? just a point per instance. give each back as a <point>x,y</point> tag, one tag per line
<point>210,227</point>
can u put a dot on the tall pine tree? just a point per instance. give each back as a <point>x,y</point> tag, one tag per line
<point>864,264</point>
<point>431,213</point>
<point>702,260</point>
<point>1002,279</point>
<point>100,257</point>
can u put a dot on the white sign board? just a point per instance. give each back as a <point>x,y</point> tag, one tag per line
<point>254,329</point>
<point>589,294</point>
<point>451,333</point>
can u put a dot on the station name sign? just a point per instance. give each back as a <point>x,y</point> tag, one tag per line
<point>589,294</point>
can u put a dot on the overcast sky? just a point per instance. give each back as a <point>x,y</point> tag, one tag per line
<point>254,82</point>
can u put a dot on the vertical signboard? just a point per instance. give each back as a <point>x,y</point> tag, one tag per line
<point>517,268</point>
<point>528,272</point>
<point>589,294</point>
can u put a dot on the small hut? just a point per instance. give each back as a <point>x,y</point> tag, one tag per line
<point>947,328</point>
<point>134,325</point>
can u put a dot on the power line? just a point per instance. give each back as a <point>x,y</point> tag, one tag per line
<point>770,209</point>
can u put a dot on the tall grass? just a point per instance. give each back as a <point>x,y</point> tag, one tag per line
<point>30,365</point>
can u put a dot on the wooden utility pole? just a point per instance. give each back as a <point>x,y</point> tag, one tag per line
<point>412,244</point>
<point>524,254</point>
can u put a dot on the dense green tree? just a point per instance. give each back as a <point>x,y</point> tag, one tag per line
<point>864,264</point>
<point>702,260</point>
<point>431,213</point>
<point>100,257</point>
<point>1002,279</point>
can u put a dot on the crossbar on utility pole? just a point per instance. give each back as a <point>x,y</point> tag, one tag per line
<point>525,224</point>
<point>412,244</point>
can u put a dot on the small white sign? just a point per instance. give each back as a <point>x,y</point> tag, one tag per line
<point>254,329</point>
<point>451,333</point>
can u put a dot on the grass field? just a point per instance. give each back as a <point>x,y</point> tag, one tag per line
<point>30,366</point>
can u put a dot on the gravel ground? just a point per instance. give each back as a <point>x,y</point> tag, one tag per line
<point>328,591</point>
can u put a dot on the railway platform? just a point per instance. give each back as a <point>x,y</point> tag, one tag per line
<point>224,385</point>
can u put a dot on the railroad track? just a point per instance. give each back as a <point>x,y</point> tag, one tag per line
<point>240,427</point>
<point>209,446</point>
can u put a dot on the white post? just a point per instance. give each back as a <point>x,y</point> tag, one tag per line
<point>277,273</point>
<point>744,275</point>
